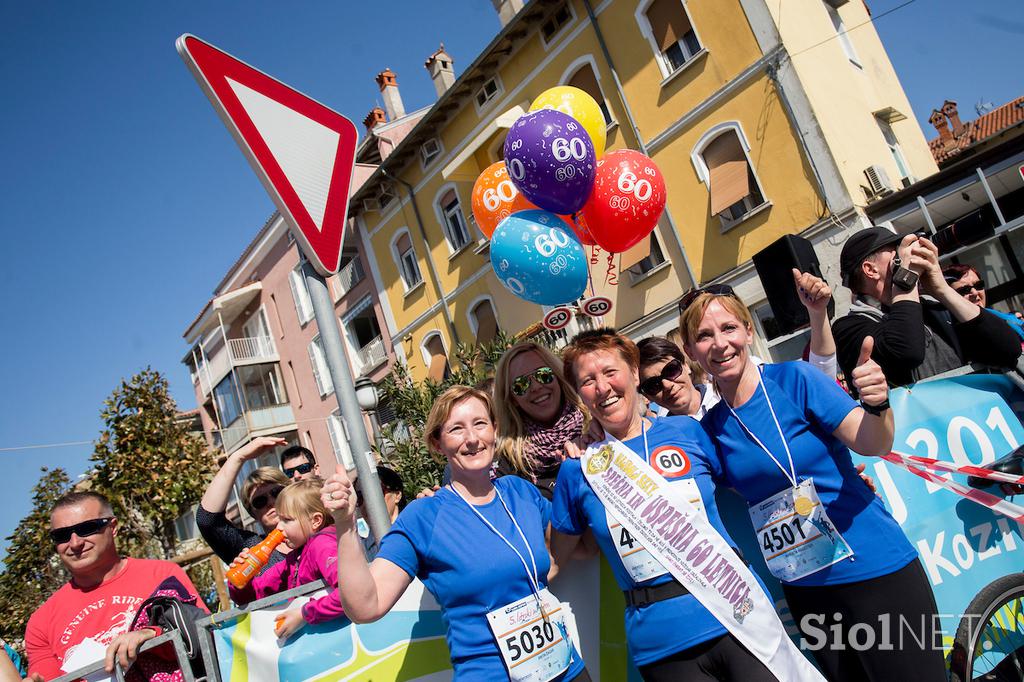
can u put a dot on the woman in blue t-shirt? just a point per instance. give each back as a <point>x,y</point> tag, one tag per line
<point>784,435</point>
<point>671,636</point>
<point>478,546</point>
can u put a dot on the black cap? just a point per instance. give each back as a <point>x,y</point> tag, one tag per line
<point>861,245</point>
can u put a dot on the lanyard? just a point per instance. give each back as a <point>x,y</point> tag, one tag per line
<point>791,474</point>
<point>533,576</point>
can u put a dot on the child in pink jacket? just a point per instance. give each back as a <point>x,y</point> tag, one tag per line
<point>309,531</point>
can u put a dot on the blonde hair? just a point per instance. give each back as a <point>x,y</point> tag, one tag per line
<point>511,429</point>
<point>442,409</point>
<point>689,319</point>
<point>261,476</point>
<point>300,500</point>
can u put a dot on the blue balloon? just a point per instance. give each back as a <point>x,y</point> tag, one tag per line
<point>539,258</point>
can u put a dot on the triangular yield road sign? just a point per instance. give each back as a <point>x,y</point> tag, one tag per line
<point>302,151</point>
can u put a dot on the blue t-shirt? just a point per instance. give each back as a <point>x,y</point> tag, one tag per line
<point>470,570</point>
<point>657,630</point>
<point>809,406</point>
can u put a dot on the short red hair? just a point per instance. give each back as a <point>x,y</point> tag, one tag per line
<point>594,340</point>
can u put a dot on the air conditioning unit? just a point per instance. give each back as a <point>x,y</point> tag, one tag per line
<point>878,181</point>
<point>371,204</point>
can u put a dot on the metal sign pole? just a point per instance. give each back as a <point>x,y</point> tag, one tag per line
<point>344,390</point>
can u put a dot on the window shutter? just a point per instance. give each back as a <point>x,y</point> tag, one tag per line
<point>486,325</point>
<point>339,441</point>
<point>668,22</point>
<point>728,173</point>
<point>404,243</point>
<point>635,253</point>
<point>437,365</point>
<point>585,80</point>
<point>320,372</point>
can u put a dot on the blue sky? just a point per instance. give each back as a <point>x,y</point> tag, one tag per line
<point>126,200</point>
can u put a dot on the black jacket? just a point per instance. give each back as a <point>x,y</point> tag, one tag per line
<point>908,353</point>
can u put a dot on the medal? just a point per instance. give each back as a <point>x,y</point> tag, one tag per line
<point>803,506</point>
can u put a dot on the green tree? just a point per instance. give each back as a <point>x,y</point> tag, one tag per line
<point>32,571</point>
<point>403,445</point>
<point>148,464</point>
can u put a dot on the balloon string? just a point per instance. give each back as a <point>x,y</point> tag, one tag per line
<point>594,250</point>
<point>610,276</point>
<point>590,280</point>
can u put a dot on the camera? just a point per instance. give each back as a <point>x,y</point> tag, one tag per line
<point>972,228</point>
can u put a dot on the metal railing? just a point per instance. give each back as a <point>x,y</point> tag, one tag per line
<point>372,354</point>
<point>349,276</point>
<point>252,348</point>
<point>256,419</point>
<point>173,636</point>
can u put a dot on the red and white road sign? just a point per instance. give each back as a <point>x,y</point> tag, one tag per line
<point>302,151</point>
<point>557,318</point>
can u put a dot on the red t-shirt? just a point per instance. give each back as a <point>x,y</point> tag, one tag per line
<point>75,626</point>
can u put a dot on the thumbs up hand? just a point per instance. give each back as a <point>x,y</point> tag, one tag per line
<point>868,377</point>
<point>339,496</point>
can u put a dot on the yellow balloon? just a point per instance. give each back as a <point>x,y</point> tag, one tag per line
<point>580,106</point>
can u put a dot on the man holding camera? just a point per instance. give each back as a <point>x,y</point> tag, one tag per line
<point>920,325</point>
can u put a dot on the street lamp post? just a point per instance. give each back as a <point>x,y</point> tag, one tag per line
<point>368,399</point>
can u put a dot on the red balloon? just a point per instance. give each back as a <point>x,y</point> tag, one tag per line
<point>627,201</point>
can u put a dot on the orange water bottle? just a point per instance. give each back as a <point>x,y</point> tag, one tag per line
<point>240,575</point>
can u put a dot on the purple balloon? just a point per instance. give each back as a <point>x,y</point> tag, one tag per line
<point>551,160</point>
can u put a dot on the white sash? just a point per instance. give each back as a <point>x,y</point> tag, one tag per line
<point>686,543</point>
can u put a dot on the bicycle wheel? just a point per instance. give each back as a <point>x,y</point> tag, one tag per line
<point>989,644</point>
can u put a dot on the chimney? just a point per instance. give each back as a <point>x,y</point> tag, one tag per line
<point>440,67</point>
<point>388,84</point>
<point>374,118</point>
<point>949,109</point>
<point>507,9</point>
<point>938,119</point>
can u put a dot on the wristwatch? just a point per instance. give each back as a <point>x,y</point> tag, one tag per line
<point>903,278</point>
<point>875,409</point>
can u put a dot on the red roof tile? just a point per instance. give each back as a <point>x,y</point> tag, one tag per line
<point>981,128</point>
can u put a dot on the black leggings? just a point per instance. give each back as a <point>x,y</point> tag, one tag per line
<point>722,658</point>
<point>894,637</point>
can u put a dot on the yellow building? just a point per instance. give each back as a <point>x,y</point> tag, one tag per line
<point>765,118</point>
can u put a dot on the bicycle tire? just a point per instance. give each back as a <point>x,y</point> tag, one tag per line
<point>976,621</point>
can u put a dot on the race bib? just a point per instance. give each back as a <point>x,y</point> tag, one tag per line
<point>532,637</point>
<point>638,562</point>
<point>795,534</point>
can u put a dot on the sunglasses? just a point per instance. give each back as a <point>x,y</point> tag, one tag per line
<point>653,386</point>
<point>302,469</point>
<point>966,289</point>
<point>260,502</point>
<point>714,289</point>
<point>82,530</point>
<point>542,375</point>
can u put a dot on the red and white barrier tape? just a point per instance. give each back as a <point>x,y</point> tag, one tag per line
<point>925,468</point>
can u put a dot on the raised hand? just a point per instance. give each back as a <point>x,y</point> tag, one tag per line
<point>257,446</point>
<point>814,292</point>
<point>339,496</point>
<point>868,378</point>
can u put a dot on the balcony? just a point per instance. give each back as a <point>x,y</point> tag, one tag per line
<point>258,422</point>
<point>246,350</point>
<point>349,276</point>
<point>371,355</point>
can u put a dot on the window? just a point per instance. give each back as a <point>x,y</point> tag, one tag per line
<point>483,321</point>
<point>339,440</point>
<point>722,162</point>
<point>405,257</point>
<point>226,395</point>
<point>429,151</point>
<point>643,260</point>
<point>261,385</point>
<point>387,195</point>
<point>303,305</point>
<point>781,347</point>
<point>670,30</point>
<point>844,38</point>
<point>318,360</point>
<point>894,149</point>
<point>586,80</point>
<point>185,527</point>
<point>452,220</point>
<point>555,22</point>
<point>488,91</point>
<point>437,361</point>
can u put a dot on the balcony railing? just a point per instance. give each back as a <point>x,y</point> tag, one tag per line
<point>259,421</point>
<point>372,354</point>
<point>559,339</point>
<point>349,276</point>
<point>250,349</point>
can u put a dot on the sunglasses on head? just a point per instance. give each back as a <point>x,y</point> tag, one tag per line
<point>303,468</point>
<point>542,375</point>
<point>966,289</point>
<point>82,530</point>
<point>260,502</point>
<point>653,386</point>
<point>714,289</point>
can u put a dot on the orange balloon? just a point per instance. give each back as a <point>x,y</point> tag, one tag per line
<point>496,198</point>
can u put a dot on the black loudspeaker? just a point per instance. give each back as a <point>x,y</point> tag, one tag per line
<point>774,265</point>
